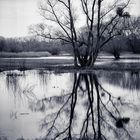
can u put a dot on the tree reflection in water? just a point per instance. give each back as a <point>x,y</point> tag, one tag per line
<point>89,112</point>
<point>127,80</point>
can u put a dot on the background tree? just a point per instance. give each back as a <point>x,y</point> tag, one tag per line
<point>116,46</point>
<point>133,34</point>
<point>2,43</point>
<point>102,114</point>
<point>63,18</point>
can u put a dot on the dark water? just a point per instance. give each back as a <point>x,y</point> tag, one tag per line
<point>46,105</point>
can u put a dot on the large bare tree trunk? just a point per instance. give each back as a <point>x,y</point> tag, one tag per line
<point>98,24</point>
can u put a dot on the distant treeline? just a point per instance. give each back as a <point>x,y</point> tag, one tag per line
<point>119,44</point>
<point>128,40</point>
<point>32,45</point>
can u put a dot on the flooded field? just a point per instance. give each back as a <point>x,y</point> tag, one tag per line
<point>48,105</point>
<point>127,62</point>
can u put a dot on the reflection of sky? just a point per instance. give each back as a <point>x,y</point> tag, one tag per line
<point>12,123</point>
<point>17,15</point>
<point>47,85</point>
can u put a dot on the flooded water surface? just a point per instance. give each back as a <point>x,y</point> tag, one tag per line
<point>48,105</point>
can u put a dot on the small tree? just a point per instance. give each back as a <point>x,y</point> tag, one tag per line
<point>2,43</point>
<point>101,21</point>
<point>116,49</point>
<point>116,46</point>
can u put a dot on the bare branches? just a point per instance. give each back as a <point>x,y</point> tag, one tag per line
<point>111,9</point>
<point>97,23</point>
<point>57,19</point>
<point>61,1</point>
<point>99,114</point>
<point>53,17</point>
<point>58,113</point>
<point>113,18</point>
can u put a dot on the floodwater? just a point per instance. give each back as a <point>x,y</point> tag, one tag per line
<point>48,58</point>
<point>48,105</point>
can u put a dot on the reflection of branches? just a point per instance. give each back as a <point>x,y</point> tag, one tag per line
<point>28,92</point>
<point>99,115</point>
<point>127,80</point>
<point>14,86</point>
<point>53,123</point>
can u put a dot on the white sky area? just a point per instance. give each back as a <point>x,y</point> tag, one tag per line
<point>17,15</point>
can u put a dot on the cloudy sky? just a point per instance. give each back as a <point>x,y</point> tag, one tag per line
<point>17,15</point>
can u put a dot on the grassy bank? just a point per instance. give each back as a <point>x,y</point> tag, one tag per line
<point>24,64</point>
<point>63,65</point>
<point>24,54</point>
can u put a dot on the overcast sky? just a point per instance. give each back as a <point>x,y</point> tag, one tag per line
<point>17,15</point>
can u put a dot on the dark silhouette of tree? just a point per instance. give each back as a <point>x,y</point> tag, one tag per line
<point>133,34</point>
<point>116,45</point>
<point>2,43</point>
<point>101,21</point>
<point>101,114</point>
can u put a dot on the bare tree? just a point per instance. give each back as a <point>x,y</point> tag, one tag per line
<point>133,33</point>
<point>101,112</point>
<point>2,43</point>
<point>63,20</point>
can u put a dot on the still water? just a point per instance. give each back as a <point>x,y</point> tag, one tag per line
<point>38,104</point>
